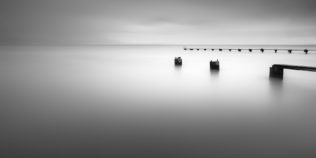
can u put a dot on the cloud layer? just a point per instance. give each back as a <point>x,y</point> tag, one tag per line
<point>158,22</point>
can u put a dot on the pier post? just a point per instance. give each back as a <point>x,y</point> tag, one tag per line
<point>214,65</point>
<point>276,72</point>
<point>177,61</point>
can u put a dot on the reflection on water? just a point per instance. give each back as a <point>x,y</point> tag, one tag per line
<point>134,102</point>
<point>276,86</point>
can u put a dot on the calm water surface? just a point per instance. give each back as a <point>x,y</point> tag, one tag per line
<point>131,101</point>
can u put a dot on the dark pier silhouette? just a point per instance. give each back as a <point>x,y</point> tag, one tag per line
<point>262,50</point>
<point>277,70</point>
<point>177,61</point>
<point>214,65</point>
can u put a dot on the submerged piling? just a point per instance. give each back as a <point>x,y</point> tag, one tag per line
<point>177,61</point>
<point>214,65</point>
<point>276,72</point>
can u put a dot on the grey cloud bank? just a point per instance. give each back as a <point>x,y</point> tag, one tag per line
<point>158,22</point>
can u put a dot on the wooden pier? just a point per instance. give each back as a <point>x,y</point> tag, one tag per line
<point>262,50</point>
<point>277,70</point>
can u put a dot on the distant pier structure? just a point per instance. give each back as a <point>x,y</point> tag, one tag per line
<point>262,50</point>
<point>277,70</point>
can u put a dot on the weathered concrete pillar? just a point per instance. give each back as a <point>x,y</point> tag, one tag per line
<point>276,72</point>
<point>177,61</point>
<point>214,65</point>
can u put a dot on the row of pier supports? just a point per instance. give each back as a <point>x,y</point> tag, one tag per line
<point>214,65</point>
<point>276,70</point>
<point>262,50</point>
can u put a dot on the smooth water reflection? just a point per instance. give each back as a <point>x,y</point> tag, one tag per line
<point>133,102</point>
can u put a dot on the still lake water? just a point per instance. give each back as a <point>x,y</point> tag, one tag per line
<point>131,101</point>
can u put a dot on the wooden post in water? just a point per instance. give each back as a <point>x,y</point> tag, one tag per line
<point>276,72</point>
<point>214,65</point>
<point>262,50</point>
<point>177,61</point>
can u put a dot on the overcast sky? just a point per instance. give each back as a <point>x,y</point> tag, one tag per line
<point>158,21</point>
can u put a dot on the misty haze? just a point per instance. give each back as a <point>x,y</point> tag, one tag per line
<point>119,78</point>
